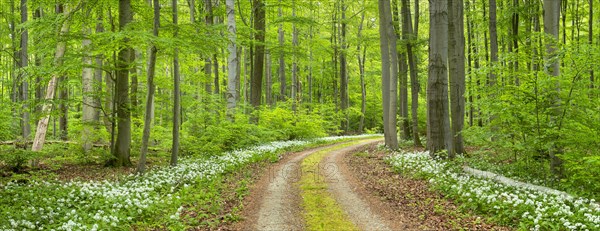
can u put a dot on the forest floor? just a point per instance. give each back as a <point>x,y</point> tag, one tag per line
<point>370,193</point>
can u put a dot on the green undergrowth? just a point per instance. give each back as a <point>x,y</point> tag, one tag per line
<point>321,211</point>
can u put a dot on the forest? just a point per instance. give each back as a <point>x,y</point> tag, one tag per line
<point>182,102</point>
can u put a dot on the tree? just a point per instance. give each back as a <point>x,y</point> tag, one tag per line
<point>122,148</point>
<point>258,10</point>
<point>42,127</point>
<point>176,92</point>
<point>456,63</point>
<point>294,94</point>
<point>361,54</point>
<point>24,84</point>
<point>439,135</point>
<point>551,28</point>
<point>343,70</point>
<point>232,60</point>
<point>88,82</point>
<point>151,89</point>
<point>389,72</point>
<point>281,68</point>
<point>414,79</point>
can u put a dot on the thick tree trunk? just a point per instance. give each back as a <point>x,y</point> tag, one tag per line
<point>42,127</point>
<point>232,60</point>
<point>259,56</point>
<point>123,106</point>
<point>551,27</point>
<point>89,101</point>
<point>176,92</point>
<point>389,72</point>
<point>150,93</point>
<point>456,62</point>
<point>439,135</point>
<point>414,79</point>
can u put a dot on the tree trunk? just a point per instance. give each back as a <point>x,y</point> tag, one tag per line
<point>151,88</point>
<point>361,56</point>
<point>123,106</point>
<point>232,60</point>
<point>24,84</point>
<point>259,56</point>
<point>207,61</point>
<point>63,122</point>
<point>269,79</point>
<point>98,75</point>
<point>343,71</point>
<point>42,127</point>
<point>389,62</point>
<point>281,71</point>
<point>294,60</point>
<point>591,37</point>
<point>89,101</point>
<point>176,92</point>
<point>439,135</point>
<point>551,27</point>
<point>493,43</point>
<point>403,67</point>
<point>456,62</point>
<point>414,79</point>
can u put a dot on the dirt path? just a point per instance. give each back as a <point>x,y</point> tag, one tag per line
<point>365,214</point>
<point>274,202</point>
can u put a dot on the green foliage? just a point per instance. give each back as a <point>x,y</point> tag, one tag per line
<point>16,158</point>
<point>6,122</point>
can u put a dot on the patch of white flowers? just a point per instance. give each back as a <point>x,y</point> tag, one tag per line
<point>103,205</point>
<point>535,209</point>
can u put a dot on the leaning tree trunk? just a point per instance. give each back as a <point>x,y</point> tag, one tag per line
<point>42,127</point>
<point>456,62</point>
<point>232,60</point>
<point>150,93</point>
<point>439,136</point>
<point>123,143</point>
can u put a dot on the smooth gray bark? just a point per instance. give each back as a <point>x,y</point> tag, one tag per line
<point>232,60</point>
<point>456,62</point>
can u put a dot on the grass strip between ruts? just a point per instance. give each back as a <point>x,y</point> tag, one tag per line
<point>321,211</point>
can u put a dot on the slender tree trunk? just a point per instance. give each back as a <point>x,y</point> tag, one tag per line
<point>281,70</point>
<point>63,122</point>
<point>207,61</point>
<point>439,135</point>
<point>456,62</point>
<point>493,42</point>
<point>591,37</point>
<point>414,79</point>
<point>150,93</point>
<point>294,60</point>
<point>98,75</point>
<point>360,55</point>
<point>515,41</point>
<point>24,83</point>
<point>551,27</point>
<point>176,92</point>
<point>259,57</point>
<point>403,67</point>
<point>343,71</point>
<point>123,106</point>
<point>232,60</point>
<point>269,79</point>
<point>42,127</point>
<point>216,70</point>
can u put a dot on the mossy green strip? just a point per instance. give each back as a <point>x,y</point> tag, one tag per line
<point>321,211</point>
